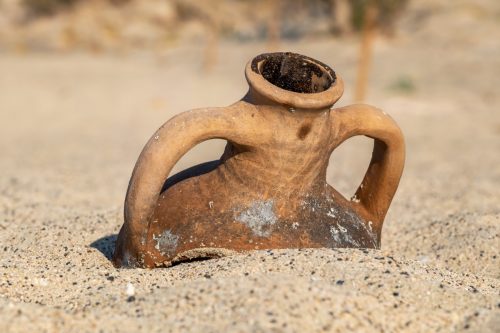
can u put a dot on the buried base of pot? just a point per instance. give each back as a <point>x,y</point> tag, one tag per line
<point>213,229</point>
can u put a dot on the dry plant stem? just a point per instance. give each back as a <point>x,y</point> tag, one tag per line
<point>210,56</point>
<point>260,195</point>
<point>273,23</point>
<point>341,15</point>
<point>366,51</point>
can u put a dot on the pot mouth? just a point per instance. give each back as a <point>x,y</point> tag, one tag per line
<point>294,80</point>
<point>294,72</point>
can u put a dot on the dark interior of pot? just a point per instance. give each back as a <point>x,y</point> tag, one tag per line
<point>294,72</point>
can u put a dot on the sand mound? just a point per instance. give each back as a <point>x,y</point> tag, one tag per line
<point>261,291</point>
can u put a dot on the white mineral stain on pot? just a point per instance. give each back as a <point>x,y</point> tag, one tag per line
<point>340,236</point>
<point>341,228</point>
<point>259,217</point>
<point>166,242</point>
<point>127,260</point>
<point>333,231</point>
<point>335,235</point>
<point>331,213</point>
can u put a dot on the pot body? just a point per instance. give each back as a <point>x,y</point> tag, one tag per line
<point>271,196</point>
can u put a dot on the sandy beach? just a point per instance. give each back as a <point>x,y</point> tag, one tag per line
<point>72,126</point>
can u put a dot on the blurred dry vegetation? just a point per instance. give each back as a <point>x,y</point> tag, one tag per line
<point>119,25</point>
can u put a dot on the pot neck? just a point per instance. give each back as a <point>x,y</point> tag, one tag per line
<point>289,111</point>
<point>293,81</point>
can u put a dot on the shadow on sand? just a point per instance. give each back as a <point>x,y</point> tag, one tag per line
<point>105,245</point>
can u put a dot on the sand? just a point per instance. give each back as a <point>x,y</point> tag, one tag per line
<point>72,126</point>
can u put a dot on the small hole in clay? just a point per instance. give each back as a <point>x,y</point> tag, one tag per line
<point>200,254</point>
<point>186,260</point>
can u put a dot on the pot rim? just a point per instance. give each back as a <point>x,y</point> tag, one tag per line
<point>288,98</point>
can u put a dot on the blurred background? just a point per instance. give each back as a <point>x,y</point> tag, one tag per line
<point>159,25</point>
<point>84,83</point>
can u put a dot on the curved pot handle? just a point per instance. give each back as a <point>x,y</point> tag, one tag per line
<point>167,145</point>
<point>373,197</point>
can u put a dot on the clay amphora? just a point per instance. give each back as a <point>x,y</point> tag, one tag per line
<point>269,189</point>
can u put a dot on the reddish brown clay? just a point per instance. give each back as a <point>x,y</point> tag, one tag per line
<point>268,190</point>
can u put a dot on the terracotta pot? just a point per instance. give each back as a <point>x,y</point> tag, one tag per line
<point>268,190</point>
